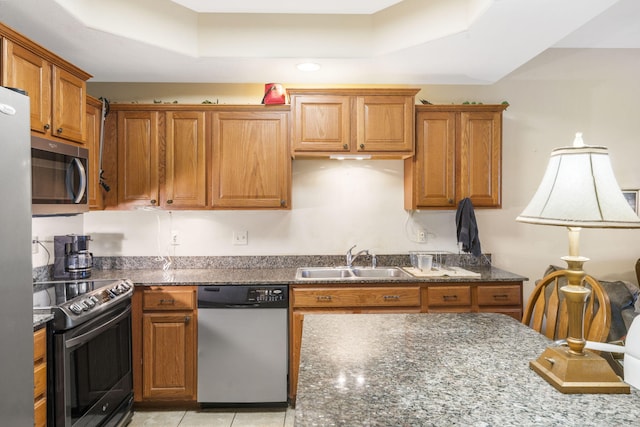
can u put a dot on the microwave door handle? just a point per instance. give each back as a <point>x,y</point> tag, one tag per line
<point>83,181</point>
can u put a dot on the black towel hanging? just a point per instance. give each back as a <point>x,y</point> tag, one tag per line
<point>467,227</point>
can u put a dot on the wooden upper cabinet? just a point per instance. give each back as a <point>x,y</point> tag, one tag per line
<point>138,182</point>
<point>379,122</point>
<point>94,118</point>
<point>185,160</point>
<point>321,123</point>
<point>56,89</point>
<point>69,108</point>
<point>458,155</point>
<point>384,123</point>
<point>251,167</point>
<point>24,69</point>
<point>480,161</point>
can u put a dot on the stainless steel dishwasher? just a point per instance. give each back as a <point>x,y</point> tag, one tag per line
<point>242,345</point>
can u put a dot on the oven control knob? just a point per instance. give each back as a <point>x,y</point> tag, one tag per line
<point>75,308</point>
<point>94,299</point>
<point>89,303</point>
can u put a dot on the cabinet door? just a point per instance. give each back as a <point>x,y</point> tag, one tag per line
<point>434,162</point>
<point>25,70</point>
<point>321,123</point>
<point>69,106</point>
<point>384,123</point>
<point>251,166</point>
<point>137,158</point>
<point>186,155</point>
<point>478,175</point>
<point>169,356</point>
<point>94,118</point>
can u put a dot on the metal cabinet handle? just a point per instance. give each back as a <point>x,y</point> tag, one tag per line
<point>187,319</point>
<point>47,126</point>
<point>325,298</point>
<point>450,297</point>
<point>450,201</point>
<point>345,146</point>
<point>501,296</point>
<point>391,297</point>
<point>168,301</point>
<point>283,203</point>
<point>169,202</point>
<point>59,130</point>
<point>362,146</point>
<point>153,201</point>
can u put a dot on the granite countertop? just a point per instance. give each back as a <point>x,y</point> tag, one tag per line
<point>241,276</point>
<point>468,369</point>
<point>40,319</point>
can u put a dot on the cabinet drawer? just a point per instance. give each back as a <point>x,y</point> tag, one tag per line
<point>169,299</point>
<point>39,381</point>
<point>499,295</point>
<point>357,297</point>
<point>448,295</point>
<point>39,346</point>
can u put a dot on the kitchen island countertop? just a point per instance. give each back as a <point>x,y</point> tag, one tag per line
<point>468,369</point>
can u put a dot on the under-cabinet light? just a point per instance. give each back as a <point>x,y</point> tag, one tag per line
<point>350,156</point>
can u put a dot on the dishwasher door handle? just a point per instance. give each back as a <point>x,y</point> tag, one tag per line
<point>251,305</point>
<point>209,305</point>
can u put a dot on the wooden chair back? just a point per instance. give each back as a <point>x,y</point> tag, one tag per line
<point>546,310</point>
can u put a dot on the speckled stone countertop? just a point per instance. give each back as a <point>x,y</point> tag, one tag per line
<point>243,276</point>
<point>464,369</point>
<point>41,319</point>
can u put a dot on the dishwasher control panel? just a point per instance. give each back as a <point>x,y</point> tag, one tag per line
<point>265,295</point>
<point>243,296</point>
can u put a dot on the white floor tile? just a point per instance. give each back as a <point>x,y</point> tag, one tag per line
<point>156,418</point>
<point>259,419</point>
<point>207,419</point>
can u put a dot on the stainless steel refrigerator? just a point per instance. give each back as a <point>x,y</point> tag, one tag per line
<point>16,288</point>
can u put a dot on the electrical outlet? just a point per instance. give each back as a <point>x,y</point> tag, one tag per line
<point>421,236</point>
<point>34,245</point>
<point>175,241</point>
<point>241,237</point>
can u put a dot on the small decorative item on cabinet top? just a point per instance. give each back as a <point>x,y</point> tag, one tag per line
<point>274,94</point>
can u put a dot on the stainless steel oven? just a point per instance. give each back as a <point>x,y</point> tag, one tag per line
<point>59,174</point>
<point>91,382</point>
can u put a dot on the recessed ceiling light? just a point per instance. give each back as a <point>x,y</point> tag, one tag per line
<point>308,66</point>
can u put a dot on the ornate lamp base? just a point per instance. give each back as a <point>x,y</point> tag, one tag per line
<point>578,373</point>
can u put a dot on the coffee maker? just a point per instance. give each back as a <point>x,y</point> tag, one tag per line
<point>72,257</point>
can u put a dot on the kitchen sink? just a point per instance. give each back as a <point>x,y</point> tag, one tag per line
<point>346,273</point>
<point>323,273</point>
<point>379,272</point>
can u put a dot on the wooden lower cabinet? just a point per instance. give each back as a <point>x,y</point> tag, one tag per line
<point>165,344</point>
<point>474,297</point>
<point>40,377</point>
<point>469,297</point>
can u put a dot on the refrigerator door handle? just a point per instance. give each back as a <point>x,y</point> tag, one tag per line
<point>7,109</point>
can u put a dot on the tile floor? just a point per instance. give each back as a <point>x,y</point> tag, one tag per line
<point>214,418</point>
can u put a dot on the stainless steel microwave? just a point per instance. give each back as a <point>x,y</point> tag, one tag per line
<point>59,178</point>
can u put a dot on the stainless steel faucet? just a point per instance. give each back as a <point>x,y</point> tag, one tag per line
<point>351,257</point>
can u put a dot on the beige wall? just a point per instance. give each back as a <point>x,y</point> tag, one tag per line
<point>552,97</point>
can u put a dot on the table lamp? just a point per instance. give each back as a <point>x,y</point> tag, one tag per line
<point>578,190</point>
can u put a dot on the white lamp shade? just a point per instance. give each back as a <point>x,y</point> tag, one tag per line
<point>579,189</point>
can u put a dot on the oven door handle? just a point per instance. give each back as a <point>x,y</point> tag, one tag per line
<point>81,339</point>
